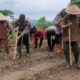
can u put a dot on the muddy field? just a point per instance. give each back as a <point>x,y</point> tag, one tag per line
<point>39,65</point>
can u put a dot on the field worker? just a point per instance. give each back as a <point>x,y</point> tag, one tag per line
<point>71,35</point>
<point>23,34</point>
<point>39,36</point>
<point>51,36</point>
<point>58,45</point>
<point>32,34</point>
<point>5,29</point>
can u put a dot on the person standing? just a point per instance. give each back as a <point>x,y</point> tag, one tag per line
<point>5,30</point>
<point>71,38</point>
<point>24,27</point>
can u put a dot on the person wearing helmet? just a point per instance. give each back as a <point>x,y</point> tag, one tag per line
<point>24,27</point>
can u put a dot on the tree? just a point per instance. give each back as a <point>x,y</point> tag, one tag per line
<point>76,2</point>
<point>7,13</point>
<point>48,23</point>
<point>41,23</point>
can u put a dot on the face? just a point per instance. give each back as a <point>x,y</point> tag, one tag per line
<point>72,17</point>
<point>3,23</point>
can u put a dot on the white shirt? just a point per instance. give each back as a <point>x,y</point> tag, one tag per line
<point>53,28</point>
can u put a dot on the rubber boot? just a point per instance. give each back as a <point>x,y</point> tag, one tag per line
<point>19,52</point>
<point>27,51</point>
<point>76,61</point>
<point>67,60</point>
<point>7,50</point>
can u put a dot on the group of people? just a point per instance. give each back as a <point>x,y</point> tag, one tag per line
<point>66,30</point>
<point>52,35</point>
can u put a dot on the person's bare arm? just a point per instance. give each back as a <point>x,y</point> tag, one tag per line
<point>65,26</point>
<point>24,32</point>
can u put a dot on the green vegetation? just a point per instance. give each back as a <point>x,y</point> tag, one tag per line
<point>7,13</point>
<point>76,2</point>
<point>12,36</point>
<point>42,23</point>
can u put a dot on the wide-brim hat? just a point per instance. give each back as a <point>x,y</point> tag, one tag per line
<point>2,17</point>
<point>73,9</point>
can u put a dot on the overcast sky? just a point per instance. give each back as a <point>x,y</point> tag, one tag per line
<point>35,8</point>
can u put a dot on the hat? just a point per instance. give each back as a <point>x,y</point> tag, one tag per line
<point>2,17</point>
<point>73,9</point>
<point>22,16</point>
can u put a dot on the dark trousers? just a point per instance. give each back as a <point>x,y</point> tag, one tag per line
<point>50,39</point>
<point>58,38</point>
<point>75,50</point>
<point>24,40</point>
<point>4,43</point>
<point>40,41</point>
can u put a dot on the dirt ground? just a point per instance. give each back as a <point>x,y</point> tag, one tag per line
<point>39,65</point>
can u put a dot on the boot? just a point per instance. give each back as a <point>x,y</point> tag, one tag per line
<point>77,66</point>
<point>27,51</point>
<point>76,62</point>
<point>19,52</point>
<point>67,57</point>
<point>7,51</point>
<point>68,66</point>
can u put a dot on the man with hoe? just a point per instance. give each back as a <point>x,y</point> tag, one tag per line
<point>71,35</point>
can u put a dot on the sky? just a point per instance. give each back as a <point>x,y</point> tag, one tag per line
<point>34,9</point>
